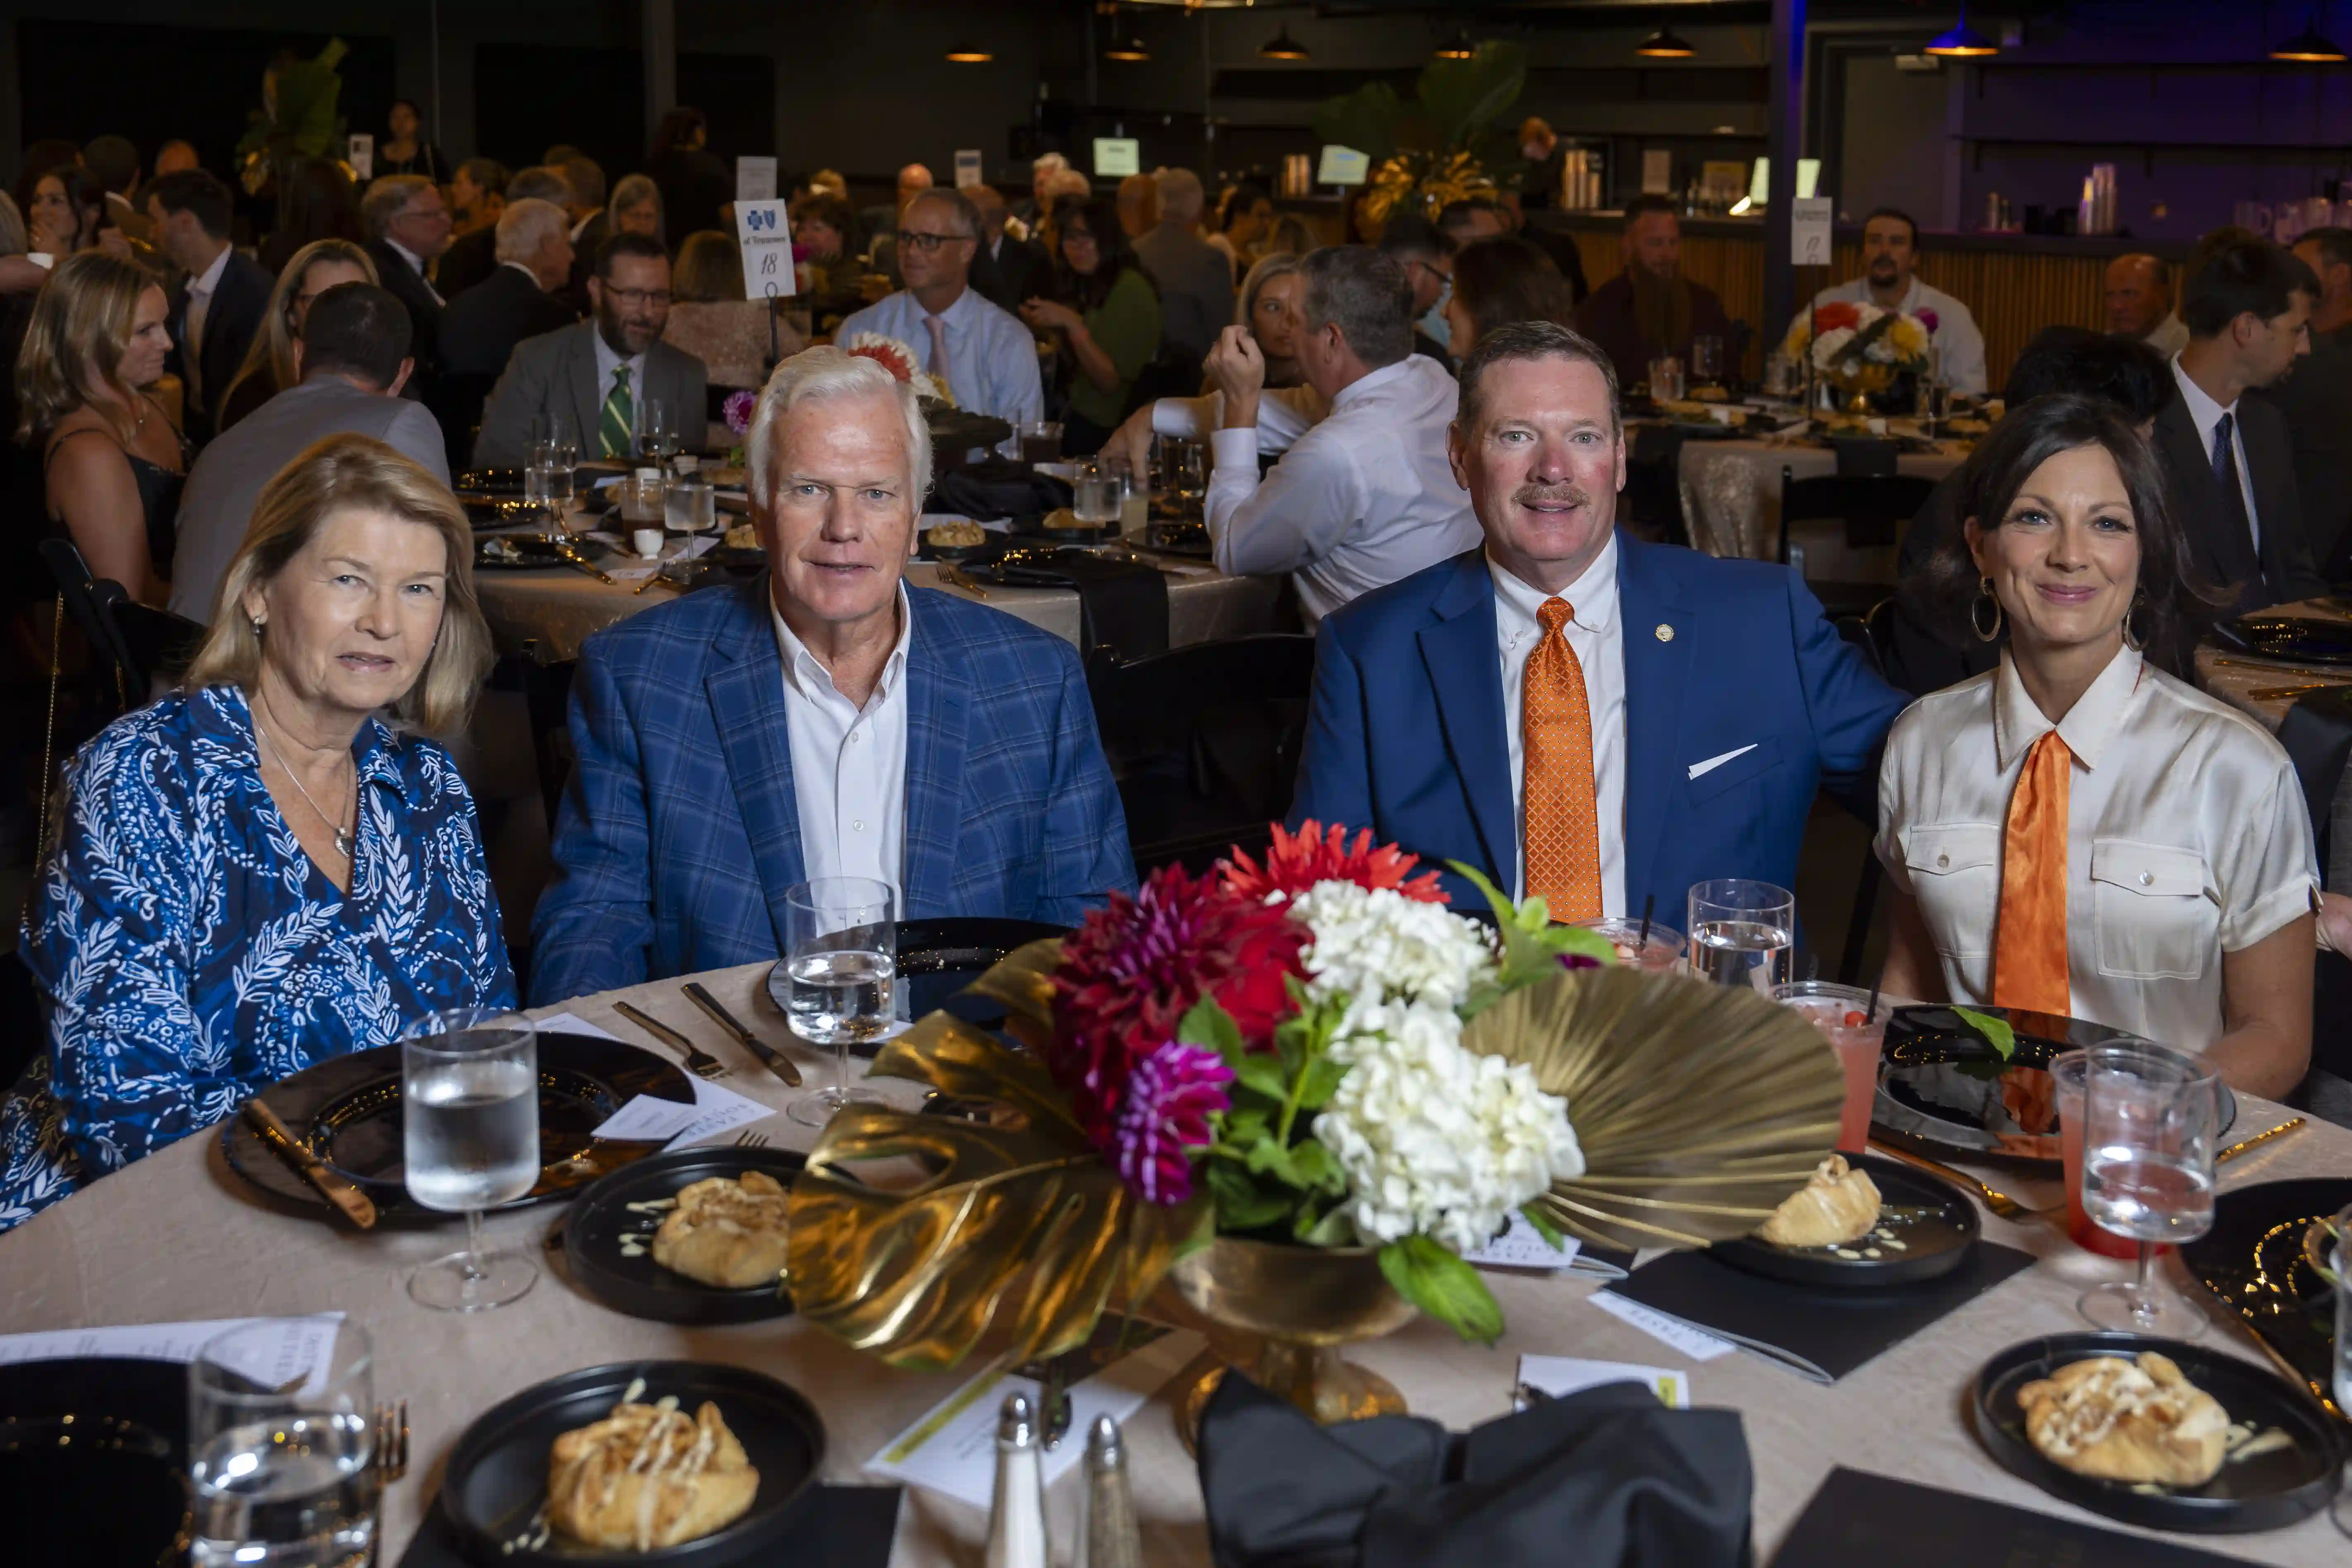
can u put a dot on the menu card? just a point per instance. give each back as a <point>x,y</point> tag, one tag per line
<point>294,1348</point>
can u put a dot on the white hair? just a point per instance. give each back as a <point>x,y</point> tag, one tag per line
<point>1181,196</point>
<point>525,225</point>
<point>1068,183</point>
<point>1045,160</point>
<point>828,372</point>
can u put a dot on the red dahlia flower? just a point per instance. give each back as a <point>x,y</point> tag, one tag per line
<point>1835,314</point>
<point>1295,862</point>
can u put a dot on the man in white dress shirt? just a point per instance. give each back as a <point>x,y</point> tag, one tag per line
<point>1364,494</point>
<point>2139,302</point>
<point>1890,252</point>
<point>986,356</point>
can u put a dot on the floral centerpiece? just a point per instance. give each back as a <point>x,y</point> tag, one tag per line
<point>895,355</point>
<point>1859,348</point>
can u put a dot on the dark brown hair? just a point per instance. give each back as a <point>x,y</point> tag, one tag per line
<point>1525,341</point>
<point>1504,279</point>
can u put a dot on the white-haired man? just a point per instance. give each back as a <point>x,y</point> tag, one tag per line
<point>408,225</point>
<point>1031,209</point>
<point>482,326</point>
<point>985,355</point>
<point>1196,281</point>
<point>825,720</point>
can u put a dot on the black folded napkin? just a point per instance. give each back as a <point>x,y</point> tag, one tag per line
<point>1862,1520</point>
<point>1609,1470</point>
<point>996,487</point>
<point>1819,1334</point>
<point>1122,605</point>
<point>829,1527</point>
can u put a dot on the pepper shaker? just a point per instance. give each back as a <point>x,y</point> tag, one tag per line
<point>1113,1539</point>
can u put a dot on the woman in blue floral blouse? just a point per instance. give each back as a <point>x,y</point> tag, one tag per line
<point>257,873</point>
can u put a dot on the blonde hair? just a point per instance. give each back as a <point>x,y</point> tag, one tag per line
<point>83,322</point>
<point>709,269</point>
<point>828,372</point>
<point>354,471</point>
<point>272,351</point>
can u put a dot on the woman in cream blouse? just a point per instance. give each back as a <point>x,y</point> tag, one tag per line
<point>2078,832</point>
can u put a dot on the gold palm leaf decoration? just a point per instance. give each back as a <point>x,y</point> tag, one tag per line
<point>1699,1108</point>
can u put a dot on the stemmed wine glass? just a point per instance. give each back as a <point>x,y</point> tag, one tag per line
<point>840,954</point>
<point>2150,1116</point>
<point>469,1141</point>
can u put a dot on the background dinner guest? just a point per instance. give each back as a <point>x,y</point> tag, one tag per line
<point>482,326</point>
<point>828,721</point>
<point>68,214</point>
<point>882,224</point>
<point>1415,243</point>
<point>474,256</point>
<point>269,367</point>
<point>1578,713</point>
<point>221,300</point>
<point>2138,295</point>
<point>1272,306</point>
<point>636,208</point>
<point>113,163</point>
<point>257,873</point>
<point>315,202</point>
<point>350,361</point>
<point>1032,208</point>
<point>1249,216</point>
<point>1139,203</point>
<point>832,285</point>
<point>1890,281</point>
<point>1195,281</point>
<point>478,194</point>
<point>2080,833</point>
<point>1496,282</point>
<point>590,223</point>
<point>1006,268</point>
<point>113,464</point>
<point>988,356</point>
<point>408,225</point>
<point>2316,397</point>
<point>695,181</point>
<point>1650,309</point>
<point>175,155</point>
<point>736,338</point>
<point>406,151</point>
<point>1539,182</point>
<point>1103,316</point>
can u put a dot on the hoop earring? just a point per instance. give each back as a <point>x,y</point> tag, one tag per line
<point>1975,620</point>
<point>2131,642</point>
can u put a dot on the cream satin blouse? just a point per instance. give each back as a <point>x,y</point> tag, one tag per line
<point>2187,837</point>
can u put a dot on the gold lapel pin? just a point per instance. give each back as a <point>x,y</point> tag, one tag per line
<point>1666,632</point>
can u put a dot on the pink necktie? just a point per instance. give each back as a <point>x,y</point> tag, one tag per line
<point>939,365</point>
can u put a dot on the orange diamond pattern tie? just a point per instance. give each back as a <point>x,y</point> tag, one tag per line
<point>2028,959</point>
<point>1563,832</point>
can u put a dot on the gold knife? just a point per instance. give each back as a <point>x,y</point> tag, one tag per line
<point>352,1203</point>
<point>566,551</point>
<point>778,1063</point>
<point>2281,1131</point>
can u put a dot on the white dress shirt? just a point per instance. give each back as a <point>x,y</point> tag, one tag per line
<point>849,763</point>
<point>2169,336</point>
<point>416,265</point>
<point>608,360</point>
<point>2187,837</point>
<point>1596,635</point>
<point>2206,414</point>
<point>992,357</point>
<point>1960,344</point>
<point>1360,499</point>
<point>200,308</point>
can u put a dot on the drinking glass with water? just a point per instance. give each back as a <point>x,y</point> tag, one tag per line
<point>841,953</point>
<point>1095,495</point>
<point>2149,1115</point>
<point>688,507</point>
<point>469,1141</point>
<point>281,1459</point>
<point>1743,933</point>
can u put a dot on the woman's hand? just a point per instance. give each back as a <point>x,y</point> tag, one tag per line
<point>1045,315</point>
<point>53,236</point>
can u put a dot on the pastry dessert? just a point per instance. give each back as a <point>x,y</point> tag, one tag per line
<point>957,535</point>
<point>648,1476</point>
<point>742,536</point>
<point>1838,1204</point>
<point>726,1231</point>
<point>2134,1421</point>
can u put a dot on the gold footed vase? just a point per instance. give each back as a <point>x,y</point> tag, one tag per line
<point>1859,405</point>
<point>1290,1309</point>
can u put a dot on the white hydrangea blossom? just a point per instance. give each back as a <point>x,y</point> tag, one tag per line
<point>1376,945</point>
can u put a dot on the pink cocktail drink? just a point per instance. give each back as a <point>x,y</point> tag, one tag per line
<point>1858,1035</point>
<point>1660,951</point>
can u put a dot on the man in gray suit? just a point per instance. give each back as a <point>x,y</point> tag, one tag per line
<point>352,360</point>
<point>598,382</point>
<point>1196,281</point>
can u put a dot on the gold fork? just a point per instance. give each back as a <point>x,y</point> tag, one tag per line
<point>2000,1202</point>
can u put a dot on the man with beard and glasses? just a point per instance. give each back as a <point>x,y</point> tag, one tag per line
<point>1890,254</point>
<point>595,382</point>
<point>1649,309</point>
<point>1575,713</point>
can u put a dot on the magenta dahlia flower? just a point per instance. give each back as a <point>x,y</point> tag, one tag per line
<point>1171,1096</point>
<point>738,408</point>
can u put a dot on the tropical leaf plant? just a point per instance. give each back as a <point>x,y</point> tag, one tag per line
<point>1444,143</point>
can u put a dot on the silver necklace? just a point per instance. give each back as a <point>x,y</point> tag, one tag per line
<point>342,834</point>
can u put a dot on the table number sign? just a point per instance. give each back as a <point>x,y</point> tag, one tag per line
<point>967,167</point>
<point>765,235</point>
<point>755,179</point>
<point>361,155</point>
<point>1809,231</point>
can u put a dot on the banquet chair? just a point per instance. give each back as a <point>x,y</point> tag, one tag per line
<point>1204,742</point>
<point>1872,633</point>
<point>1874,508</point>
<point>131,646</point>
<point>547,694</point>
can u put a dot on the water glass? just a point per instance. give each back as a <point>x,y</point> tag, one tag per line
<point>687,506</point>
<point>1743,933</point>
<point>1659,951</point>
<point>641,497</point>
<point>2068,1072</point>
<point>1095,495</point>
<point>1183,474</point>
<point>2150,1116</point>
<point>656,430</point>
<point>1706,360</point>
<point>1665,378</point>
<point>281,1456</point>
<point>1780,375</point>
<point>469,1141</point>
<point>1858,1034</point>
<point>840,954</point>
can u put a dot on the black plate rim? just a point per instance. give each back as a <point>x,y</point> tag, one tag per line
<point>687,1303</point>
<point>2252,628</point>
<point>2169,1510</point>
<point>2201,1255</point>
<point>170,1395</point>
<point>752,1530</point>
<point>1757,1257</point>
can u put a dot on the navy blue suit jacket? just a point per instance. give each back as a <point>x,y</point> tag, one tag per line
<point>1406,731</point>
<point>679,830</point>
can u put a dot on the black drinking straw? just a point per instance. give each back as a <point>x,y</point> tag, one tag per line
<point>1642,942</point>
<point>1871,1011</point>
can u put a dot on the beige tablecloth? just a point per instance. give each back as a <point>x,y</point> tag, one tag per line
<point>177,1236</point>
<point>1731,501</point>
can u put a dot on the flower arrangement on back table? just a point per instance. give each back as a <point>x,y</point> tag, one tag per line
<point>897,356</point>
<point>1860,349</point>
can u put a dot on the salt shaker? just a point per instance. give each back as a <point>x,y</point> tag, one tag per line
<point>1017,1516</point>
<point>1112,1538</point>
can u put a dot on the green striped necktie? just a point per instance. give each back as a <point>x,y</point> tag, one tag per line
<point>619,417</point>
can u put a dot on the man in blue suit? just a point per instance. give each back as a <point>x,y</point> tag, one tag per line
<point>829,721</point>
<point>1574,711</point>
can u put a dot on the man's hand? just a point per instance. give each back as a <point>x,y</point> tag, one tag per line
<point>1236,369</point>
<point>1133,440</point>
<point>2336,923</point>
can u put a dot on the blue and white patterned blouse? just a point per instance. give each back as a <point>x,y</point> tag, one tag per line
<point>189,953</point>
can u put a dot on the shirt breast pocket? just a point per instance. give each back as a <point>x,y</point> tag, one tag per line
<point>2155,910</point>
<point>1955,870</point>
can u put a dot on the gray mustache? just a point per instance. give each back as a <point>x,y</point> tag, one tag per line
<point>1545,495</point>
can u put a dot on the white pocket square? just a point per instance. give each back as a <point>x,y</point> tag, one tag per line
<point>1708,766</point>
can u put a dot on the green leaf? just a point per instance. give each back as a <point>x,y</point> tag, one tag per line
<point>1242,1128</point>
<point>1553,1235</point>
<point>1208,1023</point>
<point>1320,1082</point>
<point>1444,1286</point>
<point>1260,1073</point>
<point>1335,1228</point>
<point>1463,98</point>
<point>1242,1203</point>
<point>1996,1031</point>
<point>1314,1166</point>
<point>1532,945</point>
<point>1365,120</point>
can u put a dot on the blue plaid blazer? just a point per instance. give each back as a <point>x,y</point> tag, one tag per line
<point>679,831</point>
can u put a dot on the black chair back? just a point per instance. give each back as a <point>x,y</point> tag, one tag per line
<point>89,602</point>
<point>1873,507</point>
<point>547,692</point>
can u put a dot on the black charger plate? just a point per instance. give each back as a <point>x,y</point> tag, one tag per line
<point>2292,639</point>
<point>638,1286</point>
<point>496,1478</point>
<point>936,959</point>
<point>114,1493</point>
<point>2269,1491</point>
<point>1940,1085</point>
<point>531,553</point>
<point>1937,1226</point>
<point>2253,1262</point>
<point>348,1108</point>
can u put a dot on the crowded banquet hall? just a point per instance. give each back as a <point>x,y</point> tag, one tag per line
<point>1070,784</point>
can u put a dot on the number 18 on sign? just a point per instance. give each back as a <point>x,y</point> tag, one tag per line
<point>1809,231</point>
<point>765,237</point>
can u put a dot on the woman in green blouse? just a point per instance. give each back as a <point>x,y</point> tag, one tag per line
<point>1103,313</point>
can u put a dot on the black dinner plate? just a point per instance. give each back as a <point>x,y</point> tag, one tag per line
<point>1944,1091</point>
<point>2253,1262</point>
<point>2293,639</point>
<point>502,511</point>
<point>2269,1491</point>
<point>936,959</point>
<point>348,1108</point>
<point>638,1286</point>
<point>528,552</point>
<point>496,1478</point>
<point>1186,539</point>
<point>1936,1224</point>
<point>492,483</point>
<point>92,1450</point>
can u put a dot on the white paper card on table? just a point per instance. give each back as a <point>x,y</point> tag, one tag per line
<point>952,1448</point>
<point>1560,1376</point>
<point>361,155</point>
<point>1694,1342</point>
<point>755,179</point>
<point>1522,1245</point>
<point>765,234</point>
<point>1808,230</point>
<point>297,1348</point>
<point>716,1110</point>
<point>573,1024</point>
<point>967,168</point>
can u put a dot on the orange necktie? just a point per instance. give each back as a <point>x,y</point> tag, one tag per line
<point>1563,832</point>
<point>2029,960</point>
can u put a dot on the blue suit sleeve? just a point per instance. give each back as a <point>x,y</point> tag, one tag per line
<point>1335,774</point>
<point>593,928</point>
<point>1086,854</point>
<point>1850,707</point>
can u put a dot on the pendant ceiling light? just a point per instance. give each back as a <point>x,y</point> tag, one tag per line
<point>1460,47</point>
<point>1665,44</point>
<point>1963,42</point>
<point>1283,46</point>
<point>965,54</point>
<point>1130,49</point>
<point>2310,46</point>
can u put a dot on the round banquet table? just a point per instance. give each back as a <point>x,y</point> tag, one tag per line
<point>1731,499</point>
<point>178,1237</point>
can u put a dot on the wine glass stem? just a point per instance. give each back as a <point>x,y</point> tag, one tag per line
<point>472,1244</point>
<point>841,1069</point>
<point>2143,1294</point>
